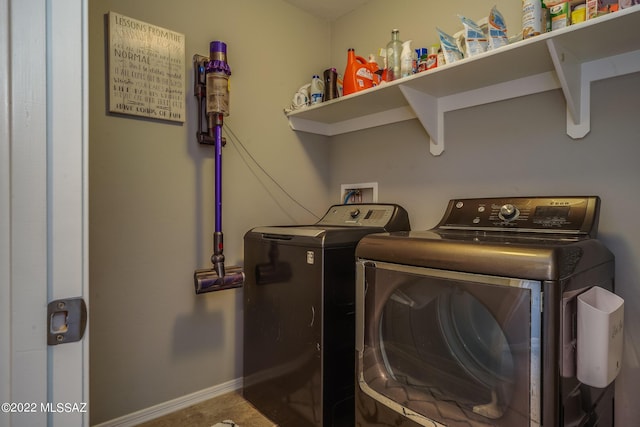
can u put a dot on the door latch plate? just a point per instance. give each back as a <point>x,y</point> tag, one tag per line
<point>66,320</point>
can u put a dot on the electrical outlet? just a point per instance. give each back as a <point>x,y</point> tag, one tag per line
<point>366,192</point>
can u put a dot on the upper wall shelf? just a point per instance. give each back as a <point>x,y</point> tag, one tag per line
<point>570,58</point>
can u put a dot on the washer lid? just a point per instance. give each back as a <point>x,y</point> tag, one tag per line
<point>303,231</point>
<point>341,225</point>
<point>313,235</point>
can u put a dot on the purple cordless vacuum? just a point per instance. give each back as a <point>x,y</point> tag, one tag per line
<point>211,88</point>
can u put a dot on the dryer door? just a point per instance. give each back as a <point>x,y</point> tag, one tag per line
<point>448,347</point>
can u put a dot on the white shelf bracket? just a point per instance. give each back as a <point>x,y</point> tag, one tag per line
<point>575,88</point>
<point>429,112</point>
<point>576,78</point>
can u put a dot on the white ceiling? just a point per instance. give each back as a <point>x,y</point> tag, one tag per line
<point>328,9</point>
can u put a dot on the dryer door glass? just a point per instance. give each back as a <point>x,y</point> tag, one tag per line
<point>453,346</point>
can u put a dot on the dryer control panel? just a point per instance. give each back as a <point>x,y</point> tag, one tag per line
<point>387,216</point>
<point>565,215</point>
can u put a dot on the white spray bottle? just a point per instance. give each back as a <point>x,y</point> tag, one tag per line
<point>406,59</point>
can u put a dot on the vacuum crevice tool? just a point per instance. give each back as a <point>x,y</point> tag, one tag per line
<point>211,78</point>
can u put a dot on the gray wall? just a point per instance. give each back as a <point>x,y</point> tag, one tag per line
<point>151,185</point>
<point>151,200</point>
<point>516,147</point>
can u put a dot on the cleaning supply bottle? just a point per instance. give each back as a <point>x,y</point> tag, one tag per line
<point>382,53</point>
<point>420,60</point>
<point>375,70</point>
<point>394,50</point>
<point>531,18</point>
<point>316,90</point>
<point>357,75</point>
<point>406,59</point>
<point>330,84</point>
<point>432,57</point>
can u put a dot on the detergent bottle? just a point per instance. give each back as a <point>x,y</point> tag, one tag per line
<point>357,75</point>
<point>316,90</point>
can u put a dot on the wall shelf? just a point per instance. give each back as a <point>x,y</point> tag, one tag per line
<point>570,59</point>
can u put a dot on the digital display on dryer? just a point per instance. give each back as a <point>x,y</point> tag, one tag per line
<point>551,216</point>
<point>552,212</point>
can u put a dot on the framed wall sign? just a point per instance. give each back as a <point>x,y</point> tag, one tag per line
<point>146,69</point>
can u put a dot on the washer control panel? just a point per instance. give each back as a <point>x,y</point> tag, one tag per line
<point>387,216</point>
<point>574,215</point>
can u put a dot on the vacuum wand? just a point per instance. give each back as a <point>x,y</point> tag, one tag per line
<point>212,78</point>
<point>217,259</point>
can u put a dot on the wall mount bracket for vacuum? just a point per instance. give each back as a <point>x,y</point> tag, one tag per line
<point>200,91</point>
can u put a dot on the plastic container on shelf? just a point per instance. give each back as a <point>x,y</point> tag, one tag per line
<point>376,74</point>
<point>316,90</point>
<point>406,59</point>
<point>579,13</point>
<point>531,18</point>
<point>357,75</point>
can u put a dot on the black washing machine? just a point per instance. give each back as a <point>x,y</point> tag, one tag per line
<point>299,314</point>
<point>473,323</point>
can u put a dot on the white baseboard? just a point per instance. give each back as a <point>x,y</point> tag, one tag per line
<point>170,406</point>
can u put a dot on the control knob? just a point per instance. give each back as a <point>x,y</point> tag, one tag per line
<point>354,213</point>
<point>508,212</point>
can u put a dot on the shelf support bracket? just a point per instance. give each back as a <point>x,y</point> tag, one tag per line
<point>576,78</point>
<point>430,109</point>
<point>575,88</point>
<point>430,113</point>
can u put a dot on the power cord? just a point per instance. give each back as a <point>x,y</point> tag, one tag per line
<point>236,142</point>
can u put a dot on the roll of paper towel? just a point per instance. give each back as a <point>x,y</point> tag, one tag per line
<point>599,336</point>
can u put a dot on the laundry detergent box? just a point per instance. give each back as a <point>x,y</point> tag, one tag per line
<point>560,15</point>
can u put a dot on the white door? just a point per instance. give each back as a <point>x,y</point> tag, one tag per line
<point>43,208</point>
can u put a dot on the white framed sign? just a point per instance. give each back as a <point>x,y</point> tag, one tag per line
<point>146,69</point>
